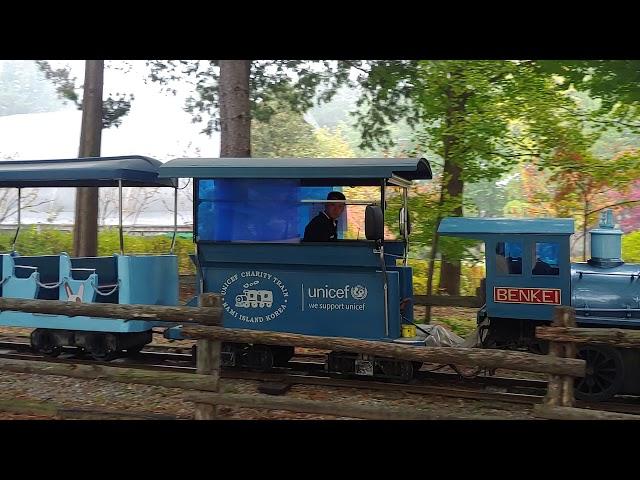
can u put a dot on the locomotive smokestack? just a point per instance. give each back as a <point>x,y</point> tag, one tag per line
<point>606,245</point>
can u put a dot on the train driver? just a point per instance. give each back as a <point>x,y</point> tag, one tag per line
<point>324,226</point>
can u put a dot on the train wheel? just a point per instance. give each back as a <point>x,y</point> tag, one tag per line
<point>259,357</point>
<point>42,341</point>
<point>605,373</point>
<point>282,355</point>
<point>397,369</point>
<point>135,350</point>
<point>100,349</point>
<point>50,351</point>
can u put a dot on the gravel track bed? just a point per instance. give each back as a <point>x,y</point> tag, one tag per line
<point>105,395</point>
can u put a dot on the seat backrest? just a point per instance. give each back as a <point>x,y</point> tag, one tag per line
<point>107,270</point>
<point>48,268</point>
<point>105,267</point>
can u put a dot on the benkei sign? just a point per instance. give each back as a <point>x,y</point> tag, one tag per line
<point>549,296</point>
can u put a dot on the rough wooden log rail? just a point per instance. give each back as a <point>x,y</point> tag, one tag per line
<point>188,381</point>
<point>597,336</point>
<point>49,409</point>
<point>205,315</point>
<point>527,362</point>
<point>558,412</point>
<point>333,408</point>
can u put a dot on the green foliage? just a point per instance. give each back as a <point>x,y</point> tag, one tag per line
<point>294,82</point>
<point>631,247</point>
<point>51,242</point>
<point>472,273</point>
<point>287,134</point>
<point>613,82</point>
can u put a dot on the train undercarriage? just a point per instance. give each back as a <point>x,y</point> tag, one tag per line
<point>266,357</point>
<point>102,346</point>
<point>610,371</point>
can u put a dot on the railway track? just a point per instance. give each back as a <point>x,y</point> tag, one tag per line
<point>309,370</point>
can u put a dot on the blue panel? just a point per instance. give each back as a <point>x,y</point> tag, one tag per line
<point>241,210</point>
<point>14,287</point>
<point>344,253</point>
<point>309,301</point>
<point>528,306</point>
<point>148,280</point>
<point>406,290</point>
<point>248,210</point>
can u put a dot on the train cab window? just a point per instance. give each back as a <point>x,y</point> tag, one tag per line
<point>546,259</point>
<point>509,258</point>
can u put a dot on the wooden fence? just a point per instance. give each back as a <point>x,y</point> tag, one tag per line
<point>202,323</point>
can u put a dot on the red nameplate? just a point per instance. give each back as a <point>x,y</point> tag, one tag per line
<point>548,296</point>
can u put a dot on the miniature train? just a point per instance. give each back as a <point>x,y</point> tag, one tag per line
<point>249,217</point>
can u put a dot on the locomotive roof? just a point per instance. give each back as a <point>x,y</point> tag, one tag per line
<point>133,170</point>
<point>483,226</point>
<point>311,171</point>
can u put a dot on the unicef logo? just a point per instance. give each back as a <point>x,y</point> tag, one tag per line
<point>254,296</point>
<point>359,292</point>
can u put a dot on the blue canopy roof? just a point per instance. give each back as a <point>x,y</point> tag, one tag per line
<point>83,172</point>
<point>479,227</point>
<point>311,171</point>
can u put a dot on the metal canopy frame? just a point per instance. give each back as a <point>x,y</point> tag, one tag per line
<point>124,171</point>
<point>309,171</point>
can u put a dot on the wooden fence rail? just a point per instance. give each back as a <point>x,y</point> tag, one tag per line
<point>204,315</point>
<point>595,336</point>
<point>510,360</point>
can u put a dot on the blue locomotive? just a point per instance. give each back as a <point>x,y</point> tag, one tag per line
<point>528,273</point>
<point>249,220</point>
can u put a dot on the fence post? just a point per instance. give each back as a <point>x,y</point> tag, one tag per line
<point>208,359</point>
<point>570,350</point>
<point>555,383</point>
<point>560,387</point>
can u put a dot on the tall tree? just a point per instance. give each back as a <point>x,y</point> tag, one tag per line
<point>235,108</point>
<point>85,235</point>
<point>215,82</point>
<point>96,115</point>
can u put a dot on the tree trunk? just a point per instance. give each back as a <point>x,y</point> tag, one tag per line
<point>434,251</point>
<point>584,230</point>
<point>450,270</point>
<point>235,108</point>
<point>85,235</point>
<point>452,171</point>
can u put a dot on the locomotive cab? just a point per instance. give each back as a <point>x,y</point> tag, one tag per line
<point>528,273</point>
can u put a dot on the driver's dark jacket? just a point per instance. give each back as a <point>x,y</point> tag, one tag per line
<point>321,229</point>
